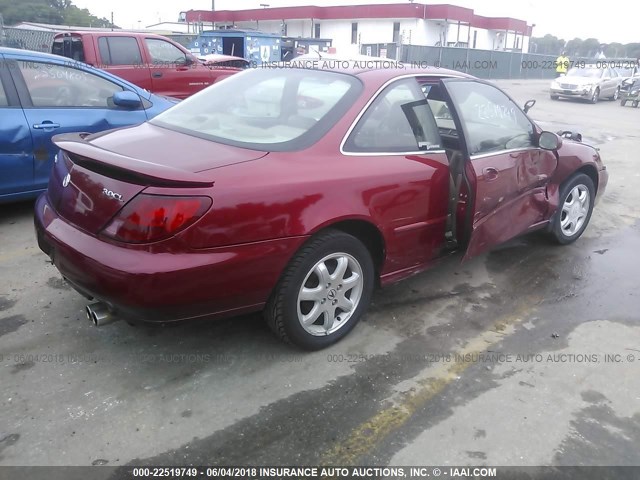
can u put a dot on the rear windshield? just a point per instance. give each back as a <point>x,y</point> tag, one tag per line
<point>70,47</point>
<point>266,109</point>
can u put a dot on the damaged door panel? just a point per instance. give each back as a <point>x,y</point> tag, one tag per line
<point>16,146</point>
<point>61,99</point>
<point>507,170</point>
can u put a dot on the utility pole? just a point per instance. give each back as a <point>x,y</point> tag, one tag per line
<point>213,9</point>
<point>112,21</point>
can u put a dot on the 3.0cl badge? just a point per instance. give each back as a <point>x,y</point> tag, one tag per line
<point>66,180</point>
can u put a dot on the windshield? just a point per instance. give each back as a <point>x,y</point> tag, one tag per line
<point>624,72</point>
<point>266,109</point>
<point>585,72</point>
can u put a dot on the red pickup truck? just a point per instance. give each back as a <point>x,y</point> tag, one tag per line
<point>150,61</point>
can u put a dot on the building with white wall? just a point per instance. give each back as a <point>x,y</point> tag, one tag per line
<point>354,25</point>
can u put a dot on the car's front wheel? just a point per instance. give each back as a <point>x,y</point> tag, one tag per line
<point>324,291</point>
<point>616,94</point>
<point>577,197</point>
<point>596,96</point>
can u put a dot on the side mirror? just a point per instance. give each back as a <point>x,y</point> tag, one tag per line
<point>528,105</point>
<point>189,60</point>
<point>127,99</point>
<point>549,141</point>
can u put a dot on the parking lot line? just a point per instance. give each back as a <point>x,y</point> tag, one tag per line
<point>364,438</point>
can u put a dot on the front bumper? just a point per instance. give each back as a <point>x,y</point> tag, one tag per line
<point>585,93</point>
<point>156,286</point>
<point>603,180</point>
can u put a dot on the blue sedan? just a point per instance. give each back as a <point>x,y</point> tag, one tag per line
<point>42,95</point>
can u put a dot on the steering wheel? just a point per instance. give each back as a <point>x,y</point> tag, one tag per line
<point>518,141</point>
<point>64,97</point>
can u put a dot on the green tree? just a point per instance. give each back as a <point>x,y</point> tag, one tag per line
<point>573,47</point>
<point>632,50</point>
<point>56,12</point>
<point>589,48</point>
<point>615,50</point>
<point>547,45</point>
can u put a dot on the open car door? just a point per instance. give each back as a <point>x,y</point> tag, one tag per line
<point>506,170</point>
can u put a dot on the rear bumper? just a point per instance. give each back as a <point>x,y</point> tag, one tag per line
<point>142,285</point>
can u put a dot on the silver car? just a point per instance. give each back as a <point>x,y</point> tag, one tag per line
<point>590,82</point>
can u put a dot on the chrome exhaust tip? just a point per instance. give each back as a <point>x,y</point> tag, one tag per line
<point>98,314</point>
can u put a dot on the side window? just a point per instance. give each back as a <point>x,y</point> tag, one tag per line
<point>399,120</point>
<point>52,85</point>
<point>3,96</point>
<point>119,51</point>
<point>492,121</point>
<point>165,53</point>
<point>440,109</point>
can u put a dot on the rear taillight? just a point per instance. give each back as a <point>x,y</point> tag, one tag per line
<point>149,218</point>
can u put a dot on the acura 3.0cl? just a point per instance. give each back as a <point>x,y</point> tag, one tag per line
<point>296,191</point>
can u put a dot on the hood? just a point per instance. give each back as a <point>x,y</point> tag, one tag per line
<point>578,80</point>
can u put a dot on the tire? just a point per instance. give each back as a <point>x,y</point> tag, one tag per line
<point>571,219</point>
<point>623,103</point>
<point>596,96</point>
<point>285,309</point>
<point>554,97</point>
<point>616,95</point>
<point>635,104</point>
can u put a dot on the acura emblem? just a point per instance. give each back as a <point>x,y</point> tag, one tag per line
<point>66,180</point>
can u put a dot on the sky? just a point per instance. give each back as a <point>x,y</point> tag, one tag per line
<point>565,19</point>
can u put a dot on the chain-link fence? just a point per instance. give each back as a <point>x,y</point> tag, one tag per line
<point>487,64</point>
<point>41,41</point>
<point>37,40</point>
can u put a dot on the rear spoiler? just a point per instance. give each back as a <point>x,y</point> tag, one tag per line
<point>113,164</point>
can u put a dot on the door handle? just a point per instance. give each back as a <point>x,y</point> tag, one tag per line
<point>46,125</point>
<point>156,74</point>
<point>490,173</point>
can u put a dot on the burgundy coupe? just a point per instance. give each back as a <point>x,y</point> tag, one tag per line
<point>296,191</point>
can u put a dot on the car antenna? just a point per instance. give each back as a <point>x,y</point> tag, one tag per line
<point>317,51</point>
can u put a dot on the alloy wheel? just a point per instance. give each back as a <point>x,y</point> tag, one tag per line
<point>330,294</point>
<point>575,210</point>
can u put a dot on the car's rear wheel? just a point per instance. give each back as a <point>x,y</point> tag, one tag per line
<point>554,97</point>
<point>323,292</point>
<point>596,96</point>
<point>577,197</point>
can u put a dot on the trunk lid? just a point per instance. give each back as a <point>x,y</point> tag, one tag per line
<point>96,175</point>
<point>81,196</point>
